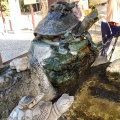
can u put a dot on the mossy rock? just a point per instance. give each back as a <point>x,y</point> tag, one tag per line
<point>97,98</point>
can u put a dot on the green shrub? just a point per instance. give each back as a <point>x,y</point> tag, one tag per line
<point>5,7</point>
<point>24,8</point>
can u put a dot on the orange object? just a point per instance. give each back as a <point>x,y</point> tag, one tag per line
<point>88,11</point>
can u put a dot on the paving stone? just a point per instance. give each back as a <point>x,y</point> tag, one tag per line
<point>13,45</point>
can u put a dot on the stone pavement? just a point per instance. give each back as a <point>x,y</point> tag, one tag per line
<point>14,44</point>
<point>17,43</point>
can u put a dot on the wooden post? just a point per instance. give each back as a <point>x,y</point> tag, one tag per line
<point>11,29</point>
<point>1,63</point>
<point>32,14</point>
